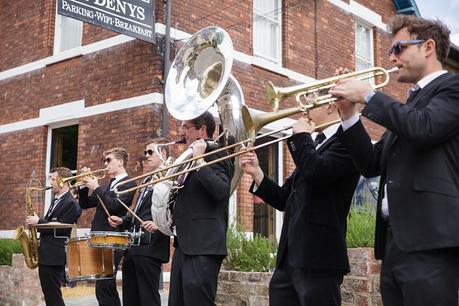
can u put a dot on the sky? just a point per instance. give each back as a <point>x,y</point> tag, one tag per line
<point>445,10</point>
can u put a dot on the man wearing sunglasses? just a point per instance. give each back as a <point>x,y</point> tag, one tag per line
<point>417,228</point>
<point>142,261</point>
<point>115,161</point>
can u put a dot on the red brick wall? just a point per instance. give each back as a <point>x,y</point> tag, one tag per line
<point>26,32</point>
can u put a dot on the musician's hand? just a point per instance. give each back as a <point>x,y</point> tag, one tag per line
<point>85,170</point>
<point>249,164</point>
<point>90,182</point>
<point>303,125</point>
<point>346,109</point>
<point>199,147</point>
<point>352,90</point>
<point>114,221</point>
<point>32,220</point>
<point>150,226</point>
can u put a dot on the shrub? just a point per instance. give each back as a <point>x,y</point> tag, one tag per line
<point>361,226</point>
<point>249,254</point>
<point>8,247</point>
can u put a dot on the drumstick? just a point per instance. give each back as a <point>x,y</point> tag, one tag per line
<point>103,206</point>
<point>130,210</point>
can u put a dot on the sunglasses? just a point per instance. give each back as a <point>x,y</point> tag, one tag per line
<point>107,160</point>
<point>149,152</point>
<point>399,46</point>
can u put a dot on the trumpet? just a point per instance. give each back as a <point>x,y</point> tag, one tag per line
<point>311,91</point>
<point>97,174</point>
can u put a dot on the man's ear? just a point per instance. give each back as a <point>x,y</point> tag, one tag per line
<point>330,108</point>
<point>203,130</point>
<point>429,47</point>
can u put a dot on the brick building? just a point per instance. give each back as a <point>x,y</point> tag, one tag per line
<point>69,90</point>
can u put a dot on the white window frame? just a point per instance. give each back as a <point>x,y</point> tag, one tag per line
<point>58,32</point>
<point>51,127</point>
<point>278,15</point>
<point>358,58</point>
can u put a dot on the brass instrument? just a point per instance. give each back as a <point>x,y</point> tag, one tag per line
<point>311,91</point>
<point>30,244</point>
<point>61,181</point>
<point>192,102</point>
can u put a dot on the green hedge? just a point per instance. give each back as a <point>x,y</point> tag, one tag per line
<point>361,226</point>
<point>8,247</point>
<point>249,254</point>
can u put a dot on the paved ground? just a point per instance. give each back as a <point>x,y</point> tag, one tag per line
<point>91,300</point>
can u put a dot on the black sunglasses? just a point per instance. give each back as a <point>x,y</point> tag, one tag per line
<point>149,152</point>
<point>107,160</point>
<point>399,46</point>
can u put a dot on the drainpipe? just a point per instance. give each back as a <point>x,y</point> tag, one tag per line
<point>167,64</point>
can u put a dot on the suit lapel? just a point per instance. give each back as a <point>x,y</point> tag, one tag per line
<point>58,207</point>
<point>327,143</point>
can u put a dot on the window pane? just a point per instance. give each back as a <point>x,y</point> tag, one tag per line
<point>363,42</point>
<point>64,146</point>
<point>266,29</point>
<point>71,33</point>
<point>263,214</point>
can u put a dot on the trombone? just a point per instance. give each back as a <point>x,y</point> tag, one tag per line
<point>245,148</point>
<point>97,174</point>
<point>254,122</point>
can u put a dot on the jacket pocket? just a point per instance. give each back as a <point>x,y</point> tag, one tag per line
<point>436,185</point>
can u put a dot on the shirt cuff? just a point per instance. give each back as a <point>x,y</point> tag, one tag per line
<point>368,96</point>
<point>346,124</point>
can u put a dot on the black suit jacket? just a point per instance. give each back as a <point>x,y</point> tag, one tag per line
<point>201,209</point>
<point>316,199</point>
<point>52,250</point>
<point>156,244</point>
<point>418,159</point>
<point>100,220</point>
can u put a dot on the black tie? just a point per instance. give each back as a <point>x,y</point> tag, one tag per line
<point>319,139</point>
<point>413,94</point>
<point>111,182</point>
<point>50,209</point>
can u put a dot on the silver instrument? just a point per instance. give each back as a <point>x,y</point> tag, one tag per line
<point>199,77</point>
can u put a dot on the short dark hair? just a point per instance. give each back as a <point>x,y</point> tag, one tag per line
<point>118,153</point>
<point>206,119</point>
<point>424,29</point>
<point>62,171</point>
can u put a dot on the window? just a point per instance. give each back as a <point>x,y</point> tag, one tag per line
<point>64,146</point>
<point>363,47</point>
<point>68,33</point>
<point>267,29</point>
<point>263,214</point>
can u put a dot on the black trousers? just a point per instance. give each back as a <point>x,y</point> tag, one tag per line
<point>141,281</point>
<point>193,279</point>
<point>295,286</point>
<point>429,278</point>
<point>51,278</point>
<point>106,292</point>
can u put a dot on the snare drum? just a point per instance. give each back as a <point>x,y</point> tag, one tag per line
<point>110,240</point>
<point>86,263</point>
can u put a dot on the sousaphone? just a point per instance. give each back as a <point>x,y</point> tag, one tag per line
<point>198,79</point>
